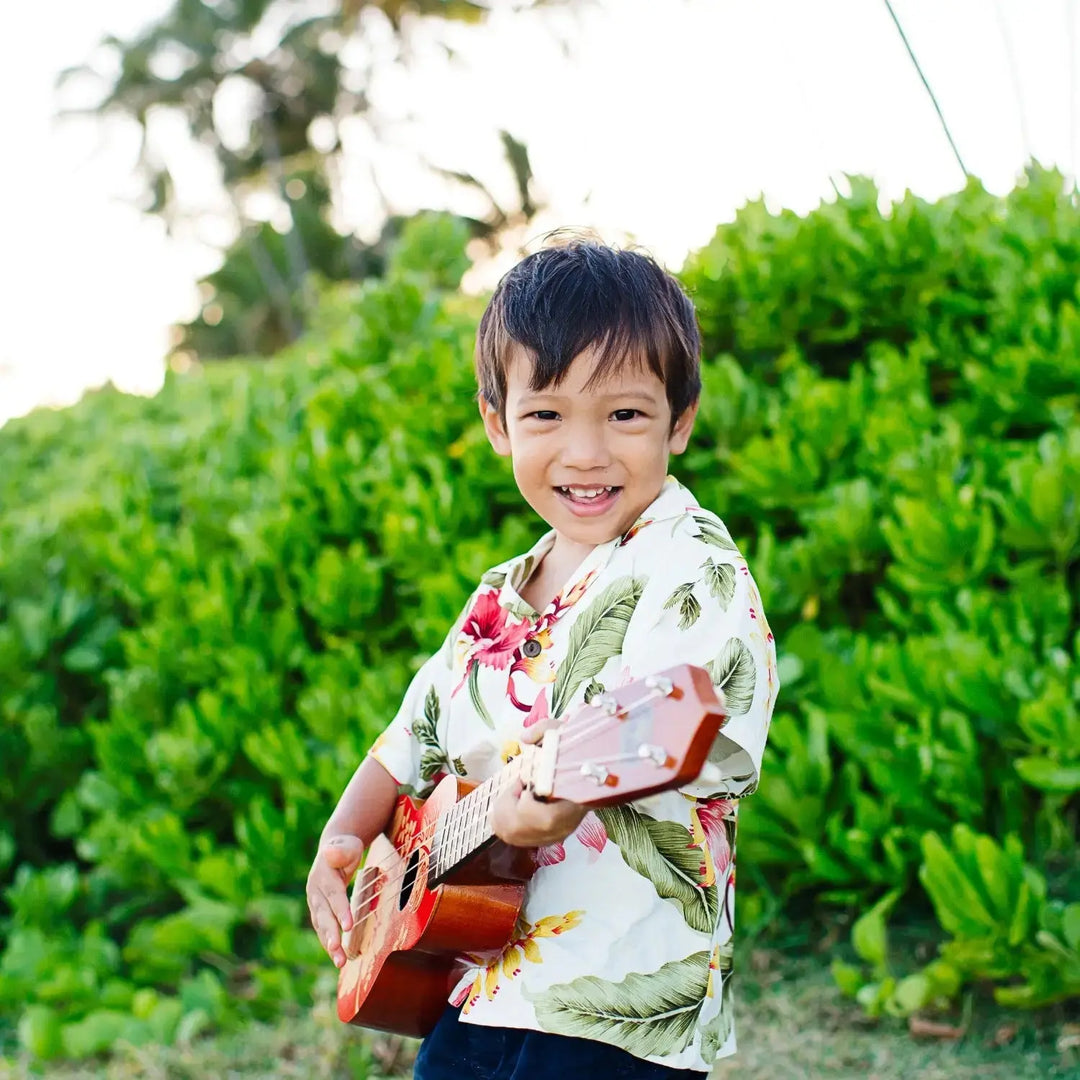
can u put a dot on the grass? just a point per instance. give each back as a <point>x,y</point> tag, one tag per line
<point>792,1024</point>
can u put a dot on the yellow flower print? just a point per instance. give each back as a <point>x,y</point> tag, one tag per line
<point>714,965</point>
<point>536,663</point>
<point>510,750</point>
<point>521,947</point>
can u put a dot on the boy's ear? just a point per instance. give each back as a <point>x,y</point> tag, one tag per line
<point>495,427</point>
<point>683,429</point>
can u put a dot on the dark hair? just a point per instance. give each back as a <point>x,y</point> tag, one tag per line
<point>580,294</point>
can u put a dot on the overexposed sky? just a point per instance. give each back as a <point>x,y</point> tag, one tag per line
<point>662,118</point>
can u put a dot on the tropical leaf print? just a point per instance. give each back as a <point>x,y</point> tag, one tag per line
<point>689,608</point>
<point>661,852</point>
<point>712,532</point>
<point>425,729</point>
<point>476,699</point>
<point>495,578</point>
<point>595,638</point>
<point>645,1014</point>
<point>735,673</point>
<point>720,577</point>
<point>593,690</point>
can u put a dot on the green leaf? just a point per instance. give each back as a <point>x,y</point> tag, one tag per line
<point>476,699</point>
<point>734,672</point>
<point>848,977</point>
<point>1070,925</point>
<point>1049,775</point>
<point>660,852</point>
<point>959,907</point>
<point>40,1032</point>
<point>595,637</point>
<point>869,936</point>
<point>720,577</point>
<point>644,1014</point>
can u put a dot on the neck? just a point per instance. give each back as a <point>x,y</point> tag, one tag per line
<point>464,828</point>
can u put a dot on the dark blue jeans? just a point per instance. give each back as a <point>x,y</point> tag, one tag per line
<point>459,1051</point>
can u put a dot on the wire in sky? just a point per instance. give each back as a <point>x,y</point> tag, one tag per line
<point>933,99</point>
<point>1014,75</point>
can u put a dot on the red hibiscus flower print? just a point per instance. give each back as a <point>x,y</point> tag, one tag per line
<point>487,637</point>
<point>593,835</point>
<point>539,710</point>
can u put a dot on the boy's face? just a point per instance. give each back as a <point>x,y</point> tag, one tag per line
<point>588,461</point>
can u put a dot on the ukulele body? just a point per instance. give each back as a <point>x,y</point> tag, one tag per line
<point>405,948</point>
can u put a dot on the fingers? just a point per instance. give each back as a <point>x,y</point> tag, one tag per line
<point>522,821</point>
<point>535,733</point>
<point>343,853</point>
<point>328,902</point>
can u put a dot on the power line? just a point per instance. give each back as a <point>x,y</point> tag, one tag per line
<point>1014,75</point>
<point>933,99</point>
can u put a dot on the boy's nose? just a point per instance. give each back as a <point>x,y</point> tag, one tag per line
<point>585,449</point>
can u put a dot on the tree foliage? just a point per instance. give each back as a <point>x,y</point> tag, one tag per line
<point>265,87</point>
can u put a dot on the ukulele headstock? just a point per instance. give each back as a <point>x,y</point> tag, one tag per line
<point>647,736</point>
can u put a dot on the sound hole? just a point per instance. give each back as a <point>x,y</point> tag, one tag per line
<point>409,880</point>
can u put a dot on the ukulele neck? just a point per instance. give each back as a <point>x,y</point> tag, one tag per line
<point>465,828</point>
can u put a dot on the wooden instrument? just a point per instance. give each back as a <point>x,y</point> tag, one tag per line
<point>438,883</point>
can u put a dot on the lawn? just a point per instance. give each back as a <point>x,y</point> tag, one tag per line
<point>792,1023</point>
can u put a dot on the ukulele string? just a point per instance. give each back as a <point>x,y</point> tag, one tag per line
<point>422,838</point>
<point>577,734</point>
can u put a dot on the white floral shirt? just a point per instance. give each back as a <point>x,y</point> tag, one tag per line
<point>625,935</point>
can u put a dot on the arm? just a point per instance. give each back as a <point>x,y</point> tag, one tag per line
<point>361,814</point>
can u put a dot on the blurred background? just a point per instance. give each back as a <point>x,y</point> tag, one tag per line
<point>244,492</point>
<point>173,129</point>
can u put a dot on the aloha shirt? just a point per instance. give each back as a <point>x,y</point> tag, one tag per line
<point>625,934</point>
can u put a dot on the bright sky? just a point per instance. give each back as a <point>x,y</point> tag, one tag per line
<point>662,118</point>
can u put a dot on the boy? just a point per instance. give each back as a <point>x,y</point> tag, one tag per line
<point>587,360</point>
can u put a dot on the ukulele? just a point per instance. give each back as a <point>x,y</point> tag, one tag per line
<point>439,883</point>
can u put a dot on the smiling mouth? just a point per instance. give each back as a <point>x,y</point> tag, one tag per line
<point>582,493</point>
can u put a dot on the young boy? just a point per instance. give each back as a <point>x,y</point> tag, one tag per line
<point>587,360</point>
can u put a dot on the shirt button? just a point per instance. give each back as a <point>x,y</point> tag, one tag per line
<point>532,648</point>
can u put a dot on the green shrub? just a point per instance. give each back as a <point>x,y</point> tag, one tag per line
<point>210,601</point>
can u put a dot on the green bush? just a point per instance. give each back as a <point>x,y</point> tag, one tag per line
<point>210,601</point>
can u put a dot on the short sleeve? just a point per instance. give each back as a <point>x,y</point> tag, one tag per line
<point>412,747</point>
<point>700,606</point>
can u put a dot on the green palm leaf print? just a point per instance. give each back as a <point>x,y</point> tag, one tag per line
<point>689,608</point>
<point>644,1013</point>
<point>712,532</point>
<point>476,699</point>
<point>735,673</point>
<point>595,637</point>
<point>660,851</point>
<point>720,577</point>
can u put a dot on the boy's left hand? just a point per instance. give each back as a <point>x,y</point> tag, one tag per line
<point>520,819</point>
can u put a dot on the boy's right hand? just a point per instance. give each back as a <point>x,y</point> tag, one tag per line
<point>328,902</point>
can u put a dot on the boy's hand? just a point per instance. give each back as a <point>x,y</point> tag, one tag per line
<point>328,902</point>
<point>519,819</point>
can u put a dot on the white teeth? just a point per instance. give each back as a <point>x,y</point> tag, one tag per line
<point>586,493</point>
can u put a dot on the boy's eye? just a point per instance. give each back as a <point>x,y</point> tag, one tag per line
<point>544,414</point>
<point>626,414</point>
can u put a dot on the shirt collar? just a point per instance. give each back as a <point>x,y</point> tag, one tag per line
<point>673,501</point>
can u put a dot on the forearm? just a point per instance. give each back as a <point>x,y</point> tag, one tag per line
<point>365,805</point>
